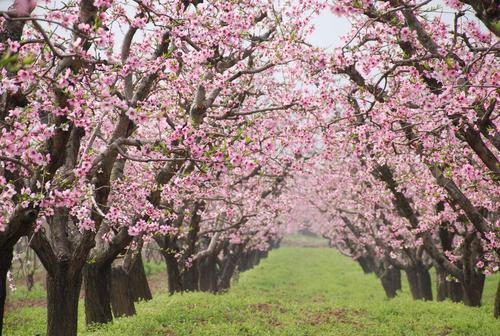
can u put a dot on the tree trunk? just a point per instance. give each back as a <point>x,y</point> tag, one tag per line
<point>424,282</point>
<point>391,281</point>
<point>455,291</point>
<point>255,258</point>
<point>229,266</point>
<point>396,278</point>
<point>473,289</point>
<point>5,263</point>
<point>447,289</point>
<point>139,282</point>
<point>207,274</point>
<point>496,311</point>
<point>419,280</point>
<point>190,278</point>
<point>121,294</point>
<point>264,254</point>
<point>387,284</point>
<point>174,277</point>
<point>245,262</point>
<point>97,284</point>
<point>63,290</point>
<point>411,276</point>
<point>365,264</point>
<point>441,284</point>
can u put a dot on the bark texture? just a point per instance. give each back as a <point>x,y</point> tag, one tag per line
<point>139,282</point>
<point>121,294</point>
<point>97,284</point>
<point>63,289</point>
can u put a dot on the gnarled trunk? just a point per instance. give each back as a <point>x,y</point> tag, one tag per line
<point>5,263</point>
<point>121,293</point>
<point>63,289</point>
<point>97,284</point>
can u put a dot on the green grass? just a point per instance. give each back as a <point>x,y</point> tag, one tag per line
<point>152,267</point>
<point>296,291</point>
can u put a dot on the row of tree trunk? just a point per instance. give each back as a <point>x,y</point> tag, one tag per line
<point>111,289</point>
<point>213,272</point>
<point>420,284</point>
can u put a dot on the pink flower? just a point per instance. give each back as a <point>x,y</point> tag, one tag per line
<point>405,34</point>
<point>14,45</point>
<point>338,10</point>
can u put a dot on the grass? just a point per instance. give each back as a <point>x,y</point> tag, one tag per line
<point>296,291</point>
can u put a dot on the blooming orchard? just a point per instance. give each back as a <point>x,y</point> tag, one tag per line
<point>211,128</point>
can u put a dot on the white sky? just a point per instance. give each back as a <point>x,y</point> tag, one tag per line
<point>327,35</point>
<point>329,29</point>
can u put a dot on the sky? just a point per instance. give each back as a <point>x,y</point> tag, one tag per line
<point>329,29</point>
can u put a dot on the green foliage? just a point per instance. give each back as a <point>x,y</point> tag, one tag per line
<point>13,63</point>
<point>296,291</point>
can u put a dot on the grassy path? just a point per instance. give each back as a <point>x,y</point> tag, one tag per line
<point>296,291</point>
